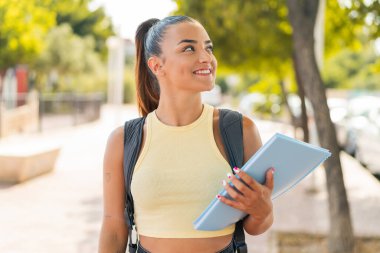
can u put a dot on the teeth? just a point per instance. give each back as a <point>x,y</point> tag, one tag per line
<point>203,71</point>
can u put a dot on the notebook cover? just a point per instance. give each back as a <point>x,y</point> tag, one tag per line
<point>292,159</point>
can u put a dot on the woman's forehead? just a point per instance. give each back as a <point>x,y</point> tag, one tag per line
<point>186,30</point>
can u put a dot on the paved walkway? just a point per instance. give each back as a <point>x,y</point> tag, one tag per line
<point>61,211</point>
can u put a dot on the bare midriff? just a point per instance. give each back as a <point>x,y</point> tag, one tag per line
<point>185,245</point>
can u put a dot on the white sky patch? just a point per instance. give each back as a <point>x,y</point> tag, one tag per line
<point>127,15</point>
<point>377,46</point>
<point>368,2</point>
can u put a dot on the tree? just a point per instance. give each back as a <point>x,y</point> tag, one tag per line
<point>365,14</point>
<point>237,29</point>
<point>350,69</point>
<point>302,15</point>
<point>67,55</point>
<point>23,25</point>
<point>84,22</point>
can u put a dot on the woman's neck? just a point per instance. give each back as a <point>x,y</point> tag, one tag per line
<point>179,111</point>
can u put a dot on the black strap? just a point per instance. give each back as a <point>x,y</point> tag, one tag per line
<point>133,133</point>
<point>231,129</point>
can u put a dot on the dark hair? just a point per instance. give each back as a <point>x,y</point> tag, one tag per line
<point>148,37</point>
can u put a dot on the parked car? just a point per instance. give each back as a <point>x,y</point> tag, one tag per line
<point>355,120</point>
<point>367,148</point>
<point>338,108</point>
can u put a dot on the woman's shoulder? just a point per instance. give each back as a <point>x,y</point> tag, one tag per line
<point>116,134</point>
<point>251,138</point>
<point>248,123</point>
<point>116,139</point>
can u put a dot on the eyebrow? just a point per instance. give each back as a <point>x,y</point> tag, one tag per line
<point>193,41</point>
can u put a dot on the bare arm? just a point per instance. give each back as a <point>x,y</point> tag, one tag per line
<point>114,231</point>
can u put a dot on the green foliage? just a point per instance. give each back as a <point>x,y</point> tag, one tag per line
<point>340,31</point>
<point>248,36</point>
<point>353,70</point>
<point>91,82</point>
<point>366,14</point>
<point>67,52</point>
<point>268,85</point>
<point>23,25</point>
<point>59,40</point>
<point>222,82</point>
<point>72,61</point>
<point>84,22</point>
<point>350,24</point>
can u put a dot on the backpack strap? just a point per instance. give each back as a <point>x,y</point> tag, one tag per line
<point>231,129</point>
<point>133,132</point>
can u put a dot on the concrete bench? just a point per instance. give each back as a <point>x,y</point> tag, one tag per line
<point>25,157</point>
<point>17,169</point>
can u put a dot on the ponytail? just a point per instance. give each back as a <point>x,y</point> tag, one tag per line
<point>148,37</point>
<point>147,85</point>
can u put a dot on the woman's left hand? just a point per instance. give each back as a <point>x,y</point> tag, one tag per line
<point>254,199</point>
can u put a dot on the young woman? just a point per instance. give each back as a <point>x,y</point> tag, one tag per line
<point>182,162</point>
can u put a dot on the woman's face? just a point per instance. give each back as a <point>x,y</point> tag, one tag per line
<point>187,60</point>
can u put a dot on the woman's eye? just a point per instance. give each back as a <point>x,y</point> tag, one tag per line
<point>188,49</point>
<point>210,48</point>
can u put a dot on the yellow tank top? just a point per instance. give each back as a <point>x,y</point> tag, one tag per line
<point>178,173</point>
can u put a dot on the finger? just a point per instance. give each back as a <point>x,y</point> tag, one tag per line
<point>240,186</point>
<point>229,202</point>
<point>269,182</point>
<point>248,180</point>
<point>232,192</point>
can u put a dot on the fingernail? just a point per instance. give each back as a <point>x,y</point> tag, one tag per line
<point>236,169</point>
<point>218,196</point>
<point>224,182</point>
<point>273,170</point>
<point>229,175</point>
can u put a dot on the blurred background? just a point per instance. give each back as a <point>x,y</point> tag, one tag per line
<point>67,80</point>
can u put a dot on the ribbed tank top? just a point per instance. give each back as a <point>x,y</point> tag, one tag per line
<point>178,173</point>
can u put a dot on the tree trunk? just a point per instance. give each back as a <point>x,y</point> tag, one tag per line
<point>296,122</point>
<point>301,94</point>
<point>284,94</point>
<point>302,15</point>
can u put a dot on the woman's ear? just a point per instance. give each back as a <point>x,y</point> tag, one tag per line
<point>155,65</point>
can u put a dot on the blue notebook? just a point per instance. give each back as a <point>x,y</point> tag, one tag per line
<point>292,159</point>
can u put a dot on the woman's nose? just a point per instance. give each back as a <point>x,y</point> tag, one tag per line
<point>205,56</point>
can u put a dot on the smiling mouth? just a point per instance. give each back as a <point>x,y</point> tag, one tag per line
<point>203,72</point>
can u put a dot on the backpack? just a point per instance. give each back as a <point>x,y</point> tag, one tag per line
<point>230,125</point>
